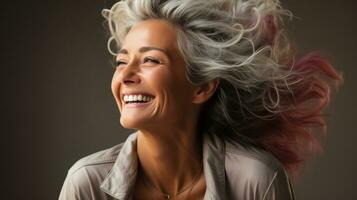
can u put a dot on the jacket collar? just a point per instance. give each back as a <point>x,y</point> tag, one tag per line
<point>121,178</point>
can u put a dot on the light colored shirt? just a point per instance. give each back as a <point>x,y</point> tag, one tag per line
<point>231,172</point>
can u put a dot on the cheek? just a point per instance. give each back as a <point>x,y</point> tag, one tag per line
<point>174,92</point>
<point>115,86</point>
<point>163,82</point>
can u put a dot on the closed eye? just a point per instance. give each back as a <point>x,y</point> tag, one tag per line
<point>118,63</point>
<point>151,60</point>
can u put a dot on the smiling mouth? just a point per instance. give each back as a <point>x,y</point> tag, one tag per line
<point>137,99</point>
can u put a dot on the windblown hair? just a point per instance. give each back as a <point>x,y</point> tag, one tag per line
<point>265,98</point>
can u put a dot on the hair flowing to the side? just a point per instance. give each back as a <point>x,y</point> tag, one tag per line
<point>267,97</point>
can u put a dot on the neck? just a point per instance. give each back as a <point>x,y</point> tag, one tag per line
<point>170,161</point>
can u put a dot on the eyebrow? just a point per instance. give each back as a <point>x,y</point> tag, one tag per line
<point>145,49</point>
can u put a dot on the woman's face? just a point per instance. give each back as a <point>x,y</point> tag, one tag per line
<point>151,70</point>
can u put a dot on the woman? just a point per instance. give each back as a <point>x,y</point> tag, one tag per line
<point>220,107</point>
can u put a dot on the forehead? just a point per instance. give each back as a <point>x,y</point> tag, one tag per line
<point>152,32</point>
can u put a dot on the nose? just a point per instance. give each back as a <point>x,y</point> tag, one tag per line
<point>129,74</point>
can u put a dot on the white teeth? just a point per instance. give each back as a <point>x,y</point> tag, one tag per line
<point>140,97</point>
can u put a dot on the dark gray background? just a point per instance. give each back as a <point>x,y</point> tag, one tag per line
<point>57,105</point>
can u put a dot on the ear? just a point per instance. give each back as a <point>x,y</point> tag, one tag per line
<point>205,91</point>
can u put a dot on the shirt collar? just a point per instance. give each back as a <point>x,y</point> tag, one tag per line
<point>121,178</point>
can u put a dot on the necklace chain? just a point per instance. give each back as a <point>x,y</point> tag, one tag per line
<point>168,196</point>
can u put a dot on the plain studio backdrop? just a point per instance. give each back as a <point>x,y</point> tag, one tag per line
<point>57,104</point>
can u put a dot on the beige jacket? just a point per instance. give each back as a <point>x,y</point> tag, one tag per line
<point>231,173</point>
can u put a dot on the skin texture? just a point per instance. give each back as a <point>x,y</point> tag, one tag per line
<point>168,146</point>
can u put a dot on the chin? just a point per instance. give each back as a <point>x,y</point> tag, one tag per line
<point>131,123</point>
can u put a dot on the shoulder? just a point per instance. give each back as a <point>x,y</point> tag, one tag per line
<point>251,159</point>
<point>86,174</point>
<point>254,173</point>
<point>96,160</point>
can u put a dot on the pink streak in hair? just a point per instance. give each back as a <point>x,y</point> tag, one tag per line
<point>271,29</point>
<point>290,137</point>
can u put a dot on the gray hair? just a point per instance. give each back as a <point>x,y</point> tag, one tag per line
<point>236,41</point>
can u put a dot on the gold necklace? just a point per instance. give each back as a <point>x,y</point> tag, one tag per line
<point>168,196</point>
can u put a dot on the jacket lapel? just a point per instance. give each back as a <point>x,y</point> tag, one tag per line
<point>121,178</point>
